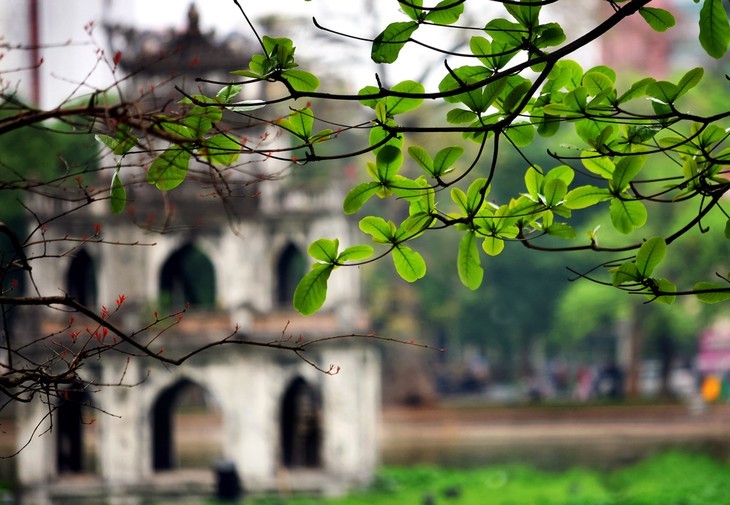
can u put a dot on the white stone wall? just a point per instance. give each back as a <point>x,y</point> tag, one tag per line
<point>247,383</point>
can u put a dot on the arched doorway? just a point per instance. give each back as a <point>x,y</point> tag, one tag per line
<point>289,270</point>
<point>187,276</point>
<point>301,426</point>
<point>81,279</point>
<point>187,428</point>
<point>76,433</point>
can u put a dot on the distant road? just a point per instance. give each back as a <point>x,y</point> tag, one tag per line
<point>550,437</point>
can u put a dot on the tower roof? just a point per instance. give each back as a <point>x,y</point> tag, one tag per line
<point>155,53</point>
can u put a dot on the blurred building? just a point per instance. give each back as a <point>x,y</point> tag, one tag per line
<point>232,248</point>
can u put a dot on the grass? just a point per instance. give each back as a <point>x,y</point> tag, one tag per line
<point>667,479</point>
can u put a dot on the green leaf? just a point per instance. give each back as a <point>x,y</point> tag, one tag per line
<point>355,253</point>
<point>650,254</point>
<point>460,116</point>
<point>406,188</point>
<point>468,263</point>
<point>399,105</point>
<point>520,133</point>
<point>408,263</point>
<point>422,158</point>
<point>388,44</point>
<point>506,32</point>
<point>562,172</point>
<point>459,198</point>
<point>369,90</point>
<point>627,168</point>
<point>117,194</point>
<point>221,150</point>
<point>478,190</point>
<point>278,45</point>
<point>526,14</point>
<point>446,12</point>
<point>414,225</point>
<point>378,135</point>
<point>323,135</point>
<point>456,78</point>
<point>533,181</point>
<point>169,169</point>
<point>301,81</point>
<point>177,129</point>
<point>200,120</point>
<point>712,134</point>
<point>299,123</point>
<point>388,161</point>
<point>637,90</point>
<point>481,48</point>
<point>627,273</point>
<point>413,9</point>
<point>599,165</point>
<point>689,80</point>
<point>603,69</point>
<point>493,245</point>
<point>714,28</point>
<point>626,215</point>
<point>586,196</point>
<point>198,99</point>
<point>445,159</point>
<point>381,112</point>
<point>121,144</point>
<point>554,192</point>
<point>596,82</point>
<point>254,74</point>
<point>664,91</point>
<point>514,97</point>
<point>590,130</point>
<point>659,19</point>
<point>548,125</point>
<point>379,229</point>
<point>727,229</point>
<point>227,94</point>
<point>311,291</point>
<point>324,250</point>
<point>665,286</point>
<point>561,230</point>
<point>712,297</point>
<point>358,195</point>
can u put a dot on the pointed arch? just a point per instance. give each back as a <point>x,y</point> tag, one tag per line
<point>290,268</point>
<point>81,279</point>
<point>188,276</point>
<point>75,433</point>
<point>301,426</point>
<point>176,412</point>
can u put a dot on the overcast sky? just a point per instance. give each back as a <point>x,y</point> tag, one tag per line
<point>68,65</point>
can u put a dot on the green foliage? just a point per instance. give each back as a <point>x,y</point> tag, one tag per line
<point>659,19</point>
<point>670,478</point>
<point>512,83</point>
<point>311,291</point>
<point>714,28</point>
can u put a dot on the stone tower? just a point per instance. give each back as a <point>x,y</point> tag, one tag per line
<point>275,420</point>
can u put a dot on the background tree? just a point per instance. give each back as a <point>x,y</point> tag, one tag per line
<point>514,81</point>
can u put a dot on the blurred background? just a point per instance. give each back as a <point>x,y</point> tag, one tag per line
<point>533,367</point>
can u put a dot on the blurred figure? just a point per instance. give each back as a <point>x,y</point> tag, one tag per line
<point>610,382</point>
<point>583,383</point>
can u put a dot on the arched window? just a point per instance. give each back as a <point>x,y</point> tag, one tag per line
<point>301,426</point>
<point>81,279</point>
<point>187,276</point>
<point>76,436</point>
<point>289,270</point>
<point>186,428</point>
